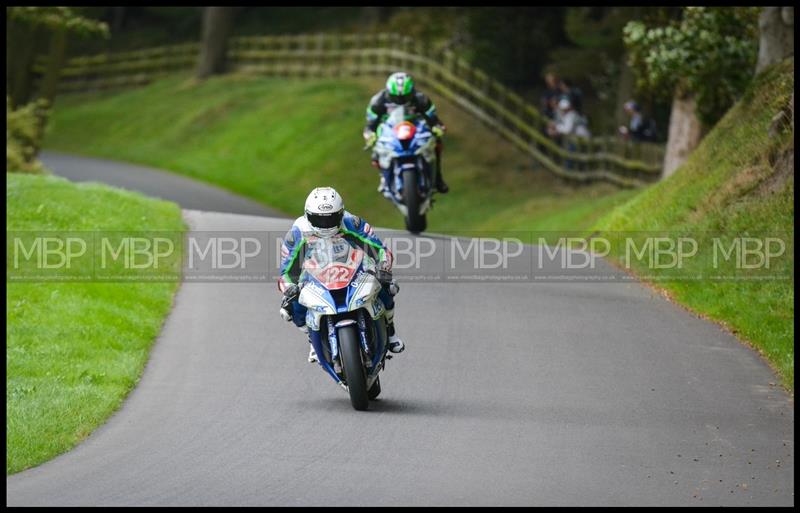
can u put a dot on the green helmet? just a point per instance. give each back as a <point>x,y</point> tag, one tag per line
<point>400,87</point>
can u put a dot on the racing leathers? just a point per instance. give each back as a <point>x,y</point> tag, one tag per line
<point>381,106</point>
<point>357,232</point>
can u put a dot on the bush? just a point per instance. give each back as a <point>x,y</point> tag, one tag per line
<point>24,132</point>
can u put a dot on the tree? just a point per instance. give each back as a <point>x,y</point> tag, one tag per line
<point>217,28</point>
<point>512,43</point>
<point>33,29</point>
<point>29,30</point>
<point>704,61</point>
<point>776,35</point>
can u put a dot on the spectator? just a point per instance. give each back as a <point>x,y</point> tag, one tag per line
<point>569,124</point>
<point>551,95</point>
<point>574,94</point>
<point>640,128</point>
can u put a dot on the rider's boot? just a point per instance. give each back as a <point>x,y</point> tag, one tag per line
<point>395,344</point>
<point>312,355</point>
<point>440,185</point>
<point>382,187</point>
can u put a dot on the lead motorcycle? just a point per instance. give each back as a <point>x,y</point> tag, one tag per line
<point>346,320</point>
<point>407,148</point>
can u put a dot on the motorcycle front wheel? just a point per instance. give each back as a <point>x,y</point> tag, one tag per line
<point>415,222</point>
<point>353,367</point>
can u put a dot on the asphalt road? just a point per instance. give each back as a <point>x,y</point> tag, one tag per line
<point>185,192</point>
<point>526,393</point>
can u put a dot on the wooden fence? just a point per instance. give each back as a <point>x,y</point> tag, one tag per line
<point>347,55</point>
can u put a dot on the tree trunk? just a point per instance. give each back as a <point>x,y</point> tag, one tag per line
<point>776,35</point>
<point>685,132</point>
<point>117,18</point>
<point>373,16</point>
<point>55,61</point>
<point>21,45</point>
<point>217,26</point>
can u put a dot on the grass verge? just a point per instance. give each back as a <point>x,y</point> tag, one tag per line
<point>75,350</point>
<point>739,182</point>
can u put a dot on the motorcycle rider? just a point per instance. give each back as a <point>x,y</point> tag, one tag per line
<point>400,91</point>
<point>325,217</point>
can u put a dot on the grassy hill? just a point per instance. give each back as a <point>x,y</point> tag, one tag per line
<point>75,350</point>
<point>275,139</point>
<point>740,181</point>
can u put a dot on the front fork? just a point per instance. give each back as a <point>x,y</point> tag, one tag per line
<point>372,357</point>
<point>422,177</point>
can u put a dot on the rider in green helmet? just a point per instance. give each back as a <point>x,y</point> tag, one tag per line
<point>400,91</point>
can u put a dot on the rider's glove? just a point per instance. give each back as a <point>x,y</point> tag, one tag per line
<point>438,130</point>
<point>370,138</point>
<point>291,293</point>
<point>383,276</point>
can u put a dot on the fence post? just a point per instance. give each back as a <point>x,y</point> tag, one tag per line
<point>320,55</point>
<point>359,55</point>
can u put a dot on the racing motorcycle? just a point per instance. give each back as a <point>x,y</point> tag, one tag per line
<point>407,147</point>
<point>345,318</point>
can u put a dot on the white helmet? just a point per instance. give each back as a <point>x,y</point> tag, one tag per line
<point>324,211</point>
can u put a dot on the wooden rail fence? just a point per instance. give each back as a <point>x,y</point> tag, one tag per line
<point>334,55</point>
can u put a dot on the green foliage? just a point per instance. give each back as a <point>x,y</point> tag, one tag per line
<point>512,43</point>
<point>24,136</point>
<point>597,27</point>
<point>710,53</point>
<point>436,27</point>
<point>58,17</point>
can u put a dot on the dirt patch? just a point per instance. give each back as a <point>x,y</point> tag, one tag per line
<point>741,184</point>
<point>783,170</point>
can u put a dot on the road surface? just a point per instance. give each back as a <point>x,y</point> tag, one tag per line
<point>516,394</point>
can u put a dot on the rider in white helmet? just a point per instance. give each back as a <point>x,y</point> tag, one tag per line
<point>326,217</point>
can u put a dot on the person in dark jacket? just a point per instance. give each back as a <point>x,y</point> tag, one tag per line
<point>640,128</point>
<point>551,95</point>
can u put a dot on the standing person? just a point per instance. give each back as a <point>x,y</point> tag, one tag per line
<point>399,92</point>
<point>573,94</point>
<point>551,94</point>
<point>569,123</point>
<point>640,128</point>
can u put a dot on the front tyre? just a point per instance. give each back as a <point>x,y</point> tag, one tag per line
<point>415,222</point>
<point>353,367</point>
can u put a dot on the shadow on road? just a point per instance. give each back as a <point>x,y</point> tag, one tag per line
<point>422,408</point>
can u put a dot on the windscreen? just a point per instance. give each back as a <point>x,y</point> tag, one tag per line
<point>332,261</point>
